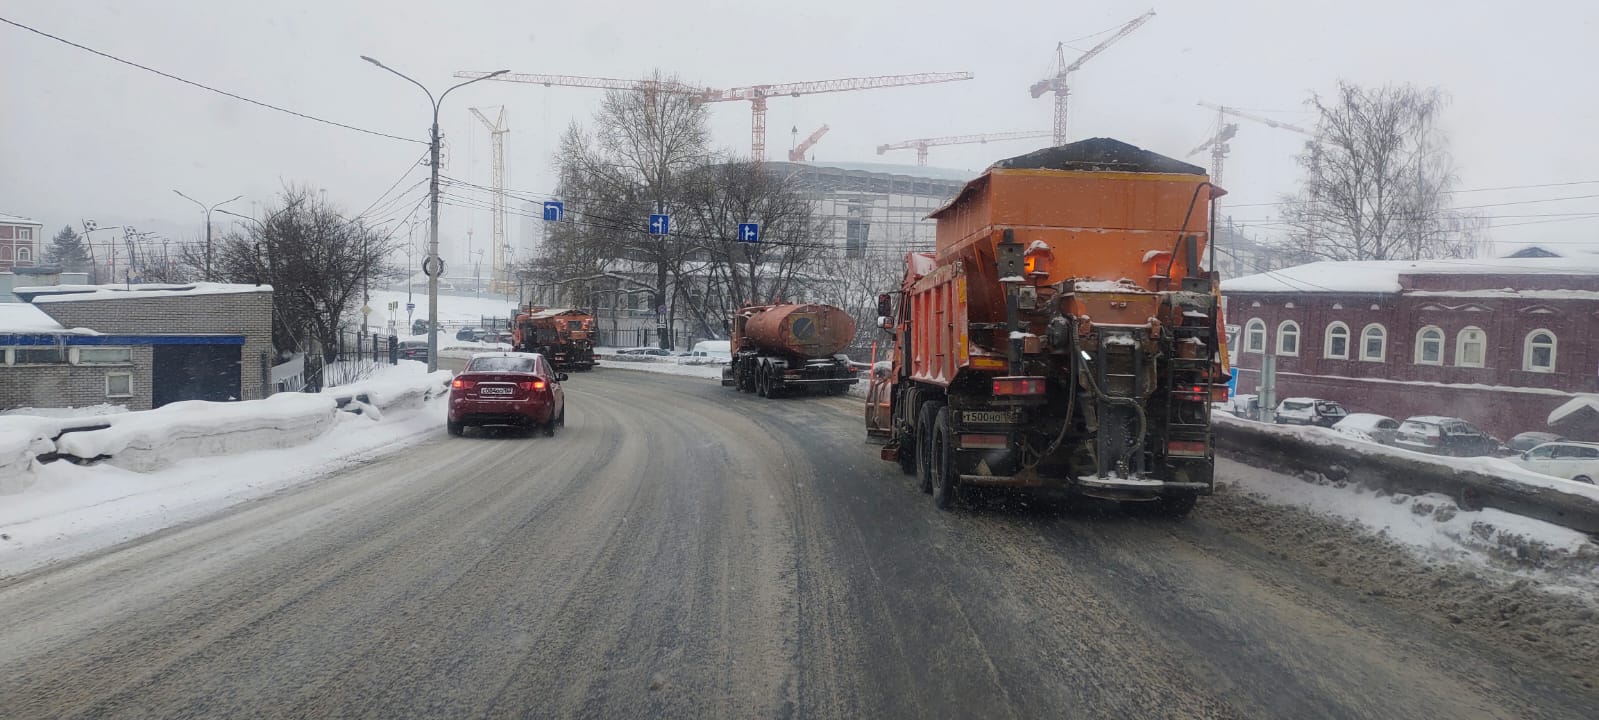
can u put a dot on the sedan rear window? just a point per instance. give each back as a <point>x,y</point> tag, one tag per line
<point>500,364</point>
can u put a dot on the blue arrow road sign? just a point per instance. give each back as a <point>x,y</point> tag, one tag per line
<point>749,232</point>
<point>660,224</point>
<point>553,210</point>
<point>410,307</point>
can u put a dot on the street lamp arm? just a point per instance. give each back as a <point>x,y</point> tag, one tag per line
<point>190,199</point>
<point>407,78</point>
<point>469,82</point>
<point>224,202</point>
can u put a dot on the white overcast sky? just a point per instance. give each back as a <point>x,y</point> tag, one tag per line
<point>84,137</point>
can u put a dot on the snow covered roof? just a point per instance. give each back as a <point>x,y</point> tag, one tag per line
<point>25,319</point>
<point>1382,276</point>
<point>73,293</point>
<point>1574,406</point>
<point>18,220</point>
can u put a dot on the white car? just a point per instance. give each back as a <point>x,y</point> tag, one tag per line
<point>1309,411</point>
<point>1577,461</point>
<point>1368,426</point>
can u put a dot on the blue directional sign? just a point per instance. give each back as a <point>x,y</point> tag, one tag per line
<point>749,232</point>
<point>660,224</point>
<point>410,307</point>
<point>553,210</point>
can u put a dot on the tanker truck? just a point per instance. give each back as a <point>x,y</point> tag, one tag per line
<point>1064,337</point>
<point>778,349</point>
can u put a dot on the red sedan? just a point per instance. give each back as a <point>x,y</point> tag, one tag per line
<point>507,388</point>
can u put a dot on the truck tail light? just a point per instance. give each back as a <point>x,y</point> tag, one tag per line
<point>460,384</point>
<point>1191,448</point>
<point>1019,386</point>
<point>533,385</point>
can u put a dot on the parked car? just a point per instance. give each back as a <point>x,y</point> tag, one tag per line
<point>1528,440</point>
<point>470,334</point>
<point>1244,406</point>
<point>1309,411</point>
<point>645,351</point>
<point>1577,461</point>
<point>1368,426</point>
<point>507,388</point>
<point>414,350</point>
<point>1444,436</point>
<point>714,349</point>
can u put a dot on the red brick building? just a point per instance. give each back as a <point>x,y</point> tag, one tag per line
<point>1498,342</point>
<point>20,244</point>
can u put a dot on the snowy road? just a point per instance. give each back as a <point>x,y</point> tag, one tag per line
<point>681,550</point>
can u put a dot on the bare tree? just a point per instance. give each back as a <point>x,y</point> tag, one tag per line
<point>1377,180</point>
<point>721,273</point>
<point>643,143</point>
<point>316,261</point>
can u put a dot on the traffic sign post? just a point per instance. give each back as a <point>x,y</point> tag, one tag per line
<point>749,232</point>
<point>554,210</point>
<point>660,224</point>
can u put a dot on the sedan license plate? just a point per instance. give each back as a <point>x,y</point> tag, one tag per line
<point>985,417</point>
<point>491,390</point>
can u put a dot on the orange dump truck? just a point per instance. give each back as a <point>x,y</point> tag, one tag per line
<point>1064,336</point>
<point>563,335</point>
<point>782,348</point>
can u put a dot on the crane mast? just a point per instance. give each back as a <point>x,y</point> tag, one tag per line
<point>1057,82</point>
<point>797,154</point>
<point>499,277</point>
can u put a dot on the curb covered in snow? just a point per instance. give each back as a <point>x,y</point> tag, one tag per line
<point>1470,482</point>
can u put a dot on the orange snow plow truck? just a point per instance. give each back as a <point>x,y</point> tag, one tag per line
<point>563,335</point>
<point>1065,336</point>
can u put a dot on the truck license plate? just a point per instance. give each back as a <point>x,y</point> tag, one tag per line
<point>494,390</point>
<point>985,417</point>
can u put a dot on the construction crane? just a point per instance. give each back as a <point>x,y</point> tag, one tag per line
<point>797,154</point>
<point>1217,144</point>
<point>757,95</point>
<point>1057,83</point>
<point>500,273</point>
<point>922,144</point>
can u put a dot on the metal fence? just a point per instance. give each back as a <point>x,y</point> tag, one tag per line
<point>356,356</point>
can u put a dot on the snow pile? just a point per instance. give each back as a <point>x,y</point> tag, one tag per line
<point>661,365</point>
<point>405,385</point>
<point>72,509</point>
<point>18,448</point>
<point>144,441</point>
<point>1431,526</point>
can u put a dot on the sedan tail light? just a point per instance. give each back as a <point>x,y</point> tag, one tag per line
<point>460,384</point>
<point>533,385</point>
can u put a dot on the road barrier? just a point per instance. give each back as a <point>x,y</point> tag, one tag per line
<point>1300,450</point>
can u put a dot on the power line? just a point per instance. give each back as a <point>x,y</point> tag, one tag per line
<point>202,86</point>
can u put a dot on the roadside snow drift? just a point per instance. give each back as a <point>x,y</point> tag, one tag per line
<point>144,441</point>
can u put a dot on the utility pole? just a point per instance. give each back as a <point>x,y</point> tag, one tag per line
<point>207,211</point>
<point>432,264</point>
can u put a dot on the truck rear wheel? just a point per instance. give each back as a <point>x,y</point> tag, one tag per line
<point>760,381</point>
<point>945,477</point>
<point>924,444</point>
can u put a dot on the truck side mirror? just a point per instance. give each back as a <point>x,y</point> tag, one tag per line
<point>885,322</point>
<point>560,377</point>
<point>885,304</point>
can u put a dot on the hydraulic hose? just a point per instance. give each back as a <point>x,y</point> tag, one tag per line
<point>1138,410</point>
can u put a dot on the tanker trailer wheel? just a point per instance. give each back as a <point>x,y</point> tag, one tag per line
<point>945,476</point>
<point>760,381</point>
<point>924,444</point>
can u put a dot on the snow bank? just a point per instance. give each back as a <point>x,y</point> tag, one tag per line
<point>145,441</point>
<point>1431,526</point>
<point>405,385</point>
<point>661,365</point>
<point>1499,467</point>
<point>1572,406</point>
<point>71,412</point>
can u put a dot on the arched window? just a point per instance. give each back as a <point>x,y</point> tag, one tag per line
<point>1430,346</point>
<point>1255,336</point>
<point>5,252</point>
<point>1471,348</point>
<point>24,254</point>
<point>1538,354</point>
<point>1288,338</point>
<point>1335,345</point>
<point>1374,343</point>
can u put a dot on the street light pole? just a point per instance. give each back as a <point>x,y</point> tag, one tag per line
<point>432,265</point>
<point>207,211</point>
